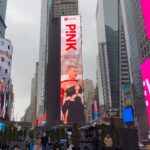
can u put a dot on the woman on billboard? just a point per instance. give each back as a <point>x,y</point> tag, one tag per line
<point>72,97</point>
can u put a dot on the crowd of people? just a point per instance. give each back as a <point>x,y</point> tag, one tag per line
<point>44,143</point>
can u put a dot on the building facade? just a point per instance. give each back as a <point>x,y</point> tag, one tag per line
<point>34,85</point>
<point>3,5</point>
<point>112,55</point>
<point>43,53</point>
<point>6,88</point>
<point>88,98</point>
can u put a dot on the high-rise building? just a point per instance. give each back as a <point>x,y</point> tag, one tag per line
<point>28,115</point>
<point>138,46</point>
<point>33,102</point>
<point>43,50</point>
<point>58,9</point>
<point>112,55</point>
<point>88,98</point>
<point>3,4</point>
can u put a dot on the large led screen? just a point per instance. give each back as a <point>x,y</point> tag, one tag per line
<point>145,71</point>
<point>126,94</point>
<point>128,115</point>
<point>145,5</point>
<point>71,103</point>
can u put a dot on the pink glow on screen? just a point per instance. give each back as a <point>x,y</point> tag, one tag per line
<point>145,71</point>
<point>145,5</point>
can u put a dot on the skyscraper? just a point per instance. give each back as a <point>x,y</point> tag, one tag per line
<point>34,93</point>
<point>45,5</point>
<point>89,98</point>
<point>58,9</point>
<point>112,55</point>
<point>3,4</point>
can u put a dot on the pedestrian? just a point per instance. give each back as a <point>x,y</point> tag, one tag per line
<point>108,142</point>
<point>44,141</point>
<point>31,145</point>
<point>95,142</point>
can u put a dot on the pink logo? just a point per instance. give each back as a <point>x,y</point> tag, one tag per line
<point>66,19</point>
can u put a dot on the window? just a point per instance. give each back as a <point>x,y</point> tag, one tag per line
<point>8,46</point>
<point>9,63</point>
<point>2,59</point>
<point>6,71</point>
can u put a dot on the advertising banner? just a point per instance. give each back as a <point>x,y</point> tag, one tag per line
<point>145,71</point>
<point>95,110</point>
<point>71,102</point>
<point>126,94</point>
<point>145,5</point>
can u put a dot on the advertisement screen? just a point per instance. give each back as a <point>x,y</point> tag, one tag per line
<point>128,115</point>
<point>145,5</point>
<point>95,110</point>
<point>145,71</point>
<point>126,94</point>
<point>71,102</point>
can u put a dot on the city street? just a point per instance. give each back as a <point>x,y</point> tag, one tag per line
<point>75,72</point>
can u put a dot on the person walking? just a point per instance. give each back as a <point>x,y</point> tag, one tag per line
<point>44,141</point>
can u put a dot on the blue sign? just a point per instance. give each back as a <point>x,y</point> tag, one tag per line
<point>128,115</point>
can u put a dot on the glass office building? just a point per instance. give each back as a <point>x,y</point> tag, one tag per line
<point>113,61</point>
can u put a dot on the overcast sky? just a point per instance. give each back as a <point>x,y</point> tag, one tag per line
<point>23,28</point>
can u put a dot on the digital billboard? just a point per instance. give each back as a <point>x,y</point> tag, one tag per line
<point>145,71</point>
<point>128,115</point>
<point>95,110</point>
<point>71,102</point>
<point>126,94</point>
<point>145,5</point>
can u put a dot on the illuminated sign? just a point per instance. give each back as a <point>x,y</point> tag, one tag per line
<point>71,101</point>
<point>145,5</point>
<point>128,115</point>
<point>126,94</point>
<point>95,110</point>
<point>145,71</point>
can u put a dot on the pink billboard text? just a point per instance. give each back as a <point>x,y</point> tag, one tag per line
<point>145,71</point>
